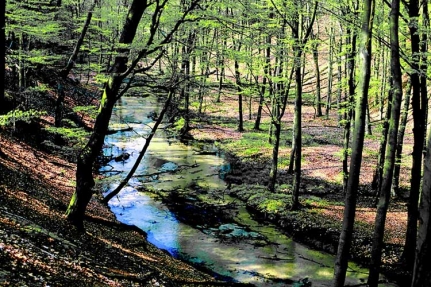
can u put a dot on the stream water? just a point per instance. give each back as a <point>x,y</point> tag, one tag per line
<point>223,238</point>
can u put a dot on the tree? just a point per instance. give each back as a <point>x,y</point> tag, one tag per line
<point>345,240</point>
<point>297,28</point>
<point>120,70</point>
<point>422,265</point>
<point>2,60</point>
<point>388,168</point>
<point>419,107</point>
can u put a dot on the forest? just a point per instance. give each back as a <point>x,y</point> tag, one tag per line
<point>253,125</point>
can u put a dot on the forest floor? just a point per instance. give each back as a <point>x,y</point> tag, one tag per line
<point>38,247</point>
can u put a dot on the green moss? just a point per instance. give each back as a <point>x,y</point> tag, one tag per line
<point>272,205</point>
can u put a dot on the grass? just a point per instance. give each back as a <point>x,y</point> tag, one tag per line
<point>250,144</point>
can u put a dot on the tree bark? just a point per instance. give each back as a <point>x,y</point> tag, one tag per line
<point>388,168</point>
<point>349,105</point>
<point>422,264</point>
<point>2,60</point>
<point>239,90</point>
<point>418,108</point>
<point>330,64</point>
<point>318,98</point>
<point>357,147</point>
<point>401,132</point>
<point>378,172</point>
<point>296,27</point>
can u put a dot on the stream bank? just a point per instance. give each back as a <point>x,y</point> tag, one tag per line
<point>179,198</point>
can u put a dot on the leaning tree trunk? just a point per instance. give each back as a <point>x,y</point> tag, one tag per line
<point>86,159</point>
<point>123,183</point>
<point>72,59</point>
<point>388,169</point>
<point>267,71</point>
<point>357,147</point>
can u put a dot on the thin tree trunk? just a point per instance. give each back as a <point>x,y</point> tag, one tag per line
<point>340,82</point>
<point>267,72</point>
<point>297,51</point>
<point>239,90</point>
<point>357,147</point>
<point>3,49</point>
<point>318,98</point>
<point>401,132</point>
<point>377,178</point>
<point>330,64</point>
<point>142,153</point>
<point>72,59</point>
<point>348,115</point>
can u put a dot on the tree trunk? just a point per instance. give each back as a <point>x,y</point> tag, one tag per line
<point>239,89</point>
<point>357,147</point>
<point>330,64</point>
<point>86,159</point>
<point>377,177</point>
<point>142,153</point>
<point>2,60</point>
<point>72,59</point>
<point>422,263</point>
<point>298,125</point>
<point>350,101</point>
<point>418,107</point>
<point>318,99</point>
<point>388,168</point>
<point>274,163</point>
<point>401,131</point>
<point>59,105</point>
<point>297,51</point>
<point>267,74</point>
<point>340,82</point>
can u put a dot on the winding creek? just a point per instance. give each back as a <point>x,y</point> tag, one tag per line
<point>177,197</point>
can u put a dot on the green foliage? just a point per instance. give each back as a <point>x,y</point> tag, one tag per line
<point>318,202</point>
<point>89,110</point>
<point>179,124</point>
<point>74,136</point>
<point>18,115</point>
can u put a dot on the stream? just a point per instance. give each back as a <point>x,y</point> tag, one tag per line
<point>178,198</point>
